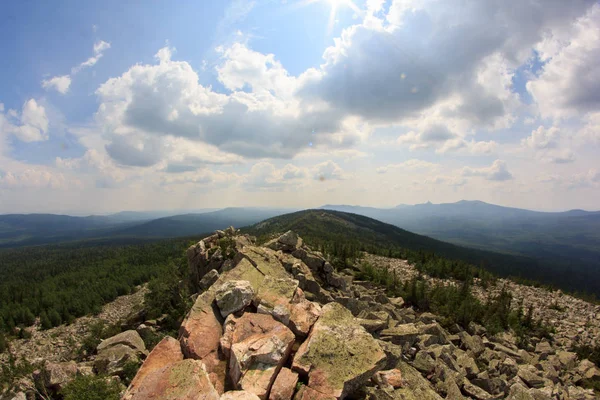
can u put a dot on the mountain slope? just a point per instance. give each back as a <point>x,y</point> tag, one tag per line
<point>193,224</point>
<point>329,225</point>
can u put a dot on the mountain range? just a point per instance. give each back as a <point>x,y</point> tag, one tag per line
<point>559,245</point>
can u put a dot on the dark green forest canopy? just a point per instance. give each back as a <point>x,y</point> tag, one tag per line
<point>62,282</point>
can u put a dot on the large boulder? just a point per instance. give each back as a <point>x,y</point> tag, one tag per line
<point>257,346</point>
<point>54,376</point>
<point>339,355</point>
<point>112,360</point>
<point>130,338</point>
<point>414,386</point>
<point>166,352</point>
<point>199,335</point>
<point>287,242</point>
<point>234,296</point>
<point>182,380</point>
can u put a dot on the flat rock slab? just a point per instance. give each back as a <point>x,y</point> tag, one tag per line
<point>339,355</point>
<point>165,353</point>
<point>405,334</point>
<point>183,380</point>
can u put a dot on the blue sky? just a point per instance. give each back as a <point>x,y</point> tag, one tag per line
<point>107,106</point>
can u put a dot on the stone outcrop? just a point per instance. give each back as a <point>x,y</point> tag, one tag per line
<point>182,380</point>
<point>339,355</point>
<point>166,352</point>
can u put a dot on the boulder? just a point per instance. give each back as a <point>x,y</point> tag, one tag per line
<point>303,314</point>
<point>182,380</point>
<point>284,385</point>
<point>130,338</point>
<point>234,296</point>
<point>257,347</point>
<point>473,343</point>
<point>530,378</point>
<point>166,352</point>
<point>199,335</point>
<point>403,335</point>
<point>567,359</point>
<point>339,355</point>
<point>111,360</point>
<point>239,395</point>
<point>414,387</point>
<point>475,392</point>
<point>424,362</point>
<point>519,392</point>
<point>307,393</point>
<point>390,378</point>
<point>54,376</point>
<point>208,279</point>
<point>287,242</point>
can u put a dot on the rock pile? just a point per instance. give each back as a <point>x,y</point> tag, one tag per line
<point>257,329</point>
<point>277,322</point>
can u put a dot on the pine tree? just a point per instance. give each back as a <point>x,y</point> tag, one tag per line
<point>54,317</point>
<point>45,321</point>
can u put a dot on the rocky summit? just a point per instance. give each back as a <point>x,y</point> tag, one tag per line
<point>278,322</point>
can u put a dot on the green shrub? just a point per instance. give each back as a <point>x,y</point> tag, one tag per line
<point>3,343</point>
<point>129,370</point>
<point>91,388</point>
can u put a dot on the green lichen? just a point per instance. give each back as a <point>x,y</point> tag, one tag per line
<point>340,354</point>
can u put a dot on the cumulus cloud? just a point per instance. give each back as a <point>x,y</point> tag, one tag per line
<point>590,178</point>
<point>569,83</point>
<point>152,102</point>
<point>59,83</point>
<point>29,126</point>
<point>498,171</point>
<point>34,178</point>
<point>542,138</point>
<point>265,176</point>
<point>432,53</point>
<point>328,170</point>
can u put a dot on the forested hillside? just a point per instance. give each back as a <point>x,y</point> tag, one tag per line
<point>350,232</point>
<point>62,282</point>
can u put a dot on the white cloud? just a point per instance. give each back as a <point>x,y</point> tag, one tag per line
<point>99,48</point>
<point>569,84</point>
<point>542,138</point>
<point>564,156</point>
<point>327,171</point>
<point>34,177</point>
<point>30,126</point>
<point>150,102</point>
<point>265,176</point>
<point>498,171</point>
<point>62,83</point>
<point>59,83</point>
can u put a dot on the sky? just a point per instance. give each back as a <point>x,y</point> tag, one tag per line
<point>110,106</point>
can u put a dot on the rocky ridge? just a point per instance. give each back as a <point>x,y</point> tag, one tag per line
<point>278,322</point>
